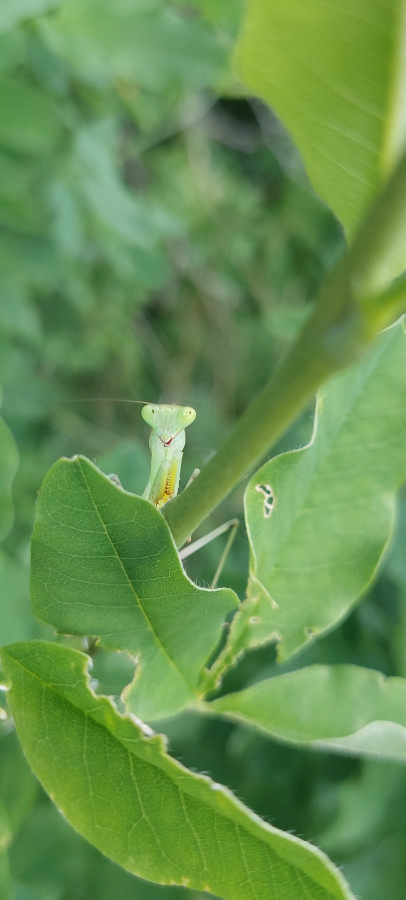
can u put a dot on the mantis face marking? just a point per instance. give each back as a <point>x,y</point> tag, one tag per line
<point>168,423</point>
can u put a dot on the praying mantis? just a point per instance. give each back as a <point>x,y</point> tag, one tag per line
<point>167,440</point>
<point>168,422</point>
<point>166,443</point>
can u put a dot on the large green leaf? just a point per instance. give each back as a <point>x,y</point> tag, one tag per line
<point>118,787</point>
<point>334,73</point>
<point>319,518</point>
<point>8,467</point>
<point>346,709</point>
<point>104,563</point>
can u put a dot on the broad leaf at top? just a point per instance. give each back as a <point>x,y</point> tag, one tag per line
<point>104,563</point>
<point>335,74</point>
<point>116,784</point>
<point>319,518</point>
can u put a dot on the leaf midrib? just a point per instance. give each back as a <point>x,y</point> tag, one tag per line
<point>133,592</point>
<point>88,714</point>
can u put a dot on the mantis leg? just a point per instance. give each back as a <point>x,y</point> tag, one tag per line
<point>231,526</point>
<point>194,475</point>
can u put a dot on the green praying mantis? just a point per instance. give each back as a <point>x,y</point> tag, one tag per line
<point>166,443</point>
<point>168,422</point>
<point>167,440</point>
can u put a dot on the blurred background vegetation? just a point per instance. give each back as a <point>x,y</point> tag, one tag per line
<point>159,240</point>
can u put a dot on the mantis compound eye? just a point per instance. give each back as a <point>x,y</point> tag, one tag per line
<point>187,415</point>
<point>149,413</point>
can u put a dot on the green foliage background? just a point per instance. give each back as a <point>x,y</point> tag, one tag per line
<point>159,240</point>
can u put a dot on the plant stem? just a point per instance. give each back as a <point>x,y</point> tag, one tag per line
<point>378,254</point>
<point>346,317</point>
<point>264,421</point>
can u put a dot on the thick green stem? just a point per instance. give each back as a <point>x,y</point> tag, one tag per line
<point>379,247</point>
<point>385,307</point>
<point>344,321</point>
<point>265,420</point>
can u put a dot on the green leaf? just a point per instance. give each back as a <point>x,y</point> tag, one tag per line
<point>335,74</point>
<point>345,709</point>
<point>29,121</point>
<point>118,787</point>
<point>8,468</point>
<point>319,518</point>
<point>104,563</point>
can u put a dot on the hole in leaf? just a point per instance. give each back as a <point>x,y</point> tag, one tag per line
<point>266,490</point>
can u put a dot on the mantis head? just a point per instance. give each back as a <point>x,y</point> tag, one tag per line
<point>167,420</point>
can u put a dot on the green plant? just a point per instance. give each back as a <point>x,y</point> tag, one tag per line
<point>319,519</point>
